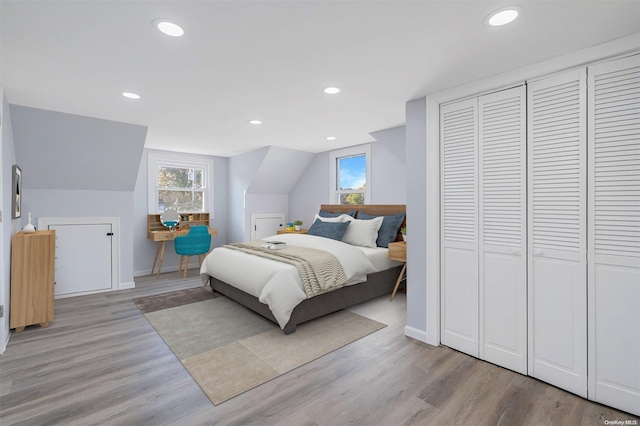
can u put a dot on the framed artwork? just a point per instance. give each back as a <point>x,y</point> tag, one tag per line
<point>16,200</point>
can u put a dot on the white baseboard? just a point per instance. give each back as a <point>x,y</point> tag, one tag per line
<point>414,333</point>
<point>146,272</point>
<point>5,343</point>
<point>126,286</point>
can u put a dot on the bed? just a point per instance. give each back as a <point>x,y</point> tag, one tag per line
<point>240,276</point>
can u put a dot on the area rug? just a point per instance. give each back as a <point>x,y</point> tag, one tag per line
<point>229,349</point>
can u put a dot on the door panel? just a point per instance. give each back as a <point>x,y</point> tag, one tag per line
<point>83,258</point>
<point>557,230</point>
<point>614,233</point>
<point>503,234</point>
<point>460,296</point>
<point>459,260</point>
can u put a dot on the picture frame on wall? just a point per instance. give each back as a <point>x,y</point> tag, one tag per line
<point>16,200</point>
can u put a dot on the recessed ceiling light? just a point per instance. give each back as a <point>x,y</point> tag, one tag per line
<point>130,95</point>
<point>168,27</point>
<point>331,138</point>
<point>255,121</point>
<point>503,16</point>
<point>331,90</point>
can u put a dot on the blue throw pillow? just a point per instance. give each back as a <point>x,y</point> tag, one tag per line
<point>324,213</point>
<point>333,230</point>
<point>388,231</point>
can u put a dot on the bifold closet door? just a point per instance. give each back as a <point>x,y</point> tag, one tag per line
<point>557,269</point>
<point>459,230</point>
<point>614,233</point>
<point>503,232</point>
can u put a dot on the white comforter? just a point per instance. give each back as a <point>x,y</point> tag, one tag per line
<point>278,284</point>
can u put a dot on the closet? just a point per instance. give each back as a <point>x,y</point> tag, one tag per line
<point>540,230</point>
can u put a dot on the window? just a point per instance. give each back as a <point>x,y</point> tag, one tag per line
<point>350,173</point>
<point>179,182</point>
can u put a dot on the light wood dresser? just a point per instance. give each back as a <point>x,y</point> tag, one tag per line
<point>32,278</point>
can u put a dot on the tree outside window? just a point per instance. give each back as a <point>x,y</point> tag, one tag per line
<point>181,189</point>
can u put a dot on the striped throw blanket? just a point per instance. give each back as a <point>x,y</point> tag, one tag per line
<point>320,271</point>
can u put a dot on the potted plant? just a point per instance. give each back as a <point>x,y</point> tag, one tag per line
<point>403,231</point>
<point>297,224</point>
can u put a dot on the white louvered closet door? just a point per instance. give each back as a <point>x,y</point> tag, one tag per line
<point>503,232</point>
<point>459,256</point>
<point>614,233</point>
<point>557,269</point>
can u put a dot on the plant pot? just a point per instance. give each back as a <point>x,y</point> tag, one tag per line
<point>404,237</point>
<point>296,227</point>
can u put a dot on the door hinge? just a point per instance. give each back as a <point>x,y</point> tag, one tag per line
<point>1,311</point>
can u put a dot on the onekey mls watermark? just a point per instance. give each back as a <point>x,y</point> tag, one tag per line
<point>621,422</point>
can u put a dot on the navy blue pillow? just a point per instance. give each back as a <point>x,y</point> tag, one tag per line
<point>333,230</point>
<point>388,231</point>
<point>324,213</point>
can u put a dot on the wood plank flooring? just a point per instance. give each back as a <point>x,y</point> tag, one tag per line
<point>101,363</point>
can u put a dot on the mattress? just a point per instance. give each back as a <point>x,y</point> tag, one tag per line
<point>278,284</point>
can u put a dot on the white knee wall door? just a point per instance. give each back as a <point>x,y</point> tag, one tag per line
<point>540,233</point>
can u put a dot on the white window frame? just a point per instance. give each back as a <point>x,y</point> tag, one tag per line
<point>334,194</point>
<point>157,160</point>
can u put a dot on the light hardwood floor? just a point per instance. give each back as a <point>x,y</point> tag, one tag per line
<point>100,362</point>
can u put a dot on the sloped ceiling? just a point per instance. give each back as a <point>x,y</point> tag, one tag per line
<point>393,139</point>
<point>279,171</point>
<point>66,151</point>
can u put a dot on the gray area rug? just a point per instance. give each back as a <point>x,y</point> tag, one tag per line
<point>229,349</point>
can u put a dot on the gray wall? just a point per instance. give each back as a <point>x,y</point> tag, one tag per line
<point>260,182</point>
<point>144,249</point>
<point>67,151</point>
<point>416,190</point>
<point>9,226</point>
<point>75,166</point>
<point>242,169</point>
<point>388,182</point>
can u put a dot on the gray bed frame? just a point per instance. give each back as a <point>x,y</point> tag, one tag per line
<point>377,284</point>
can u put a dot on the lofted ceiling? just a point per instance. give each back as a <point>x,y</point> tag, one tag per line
<point>269,60</point>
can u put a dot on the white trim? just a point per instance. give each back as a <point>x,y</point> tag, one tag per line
<point>414,333</point>
<point>44,222</point>
<point>127,286</point>
<point>623,46</point>
<point>349,152</point>
<point>155,158</point>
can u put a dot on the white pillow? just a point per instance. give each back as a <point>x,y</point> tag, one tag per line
<point>362,232</point>
<point>340,218</point>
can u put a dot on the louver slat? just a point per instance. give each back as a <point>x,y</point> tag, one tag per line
<point>555,167</point>
<point>459,175</point>
<point>502,133</point>
<point>616,141</point>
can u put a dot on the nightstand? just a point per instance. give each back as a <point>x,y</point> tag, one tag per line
<point>398,251</point>
<point>284,231</point>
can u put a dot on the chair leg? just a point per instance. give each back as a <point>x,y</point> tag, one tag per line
<point>186,267</point>
<point>180,265</point>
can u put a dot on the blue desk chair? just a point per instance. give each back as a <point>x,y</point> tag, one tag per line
<point>196,242</point>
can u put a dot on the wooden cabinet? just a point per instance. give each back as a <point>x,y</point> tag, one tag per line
<point>32,278</point>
